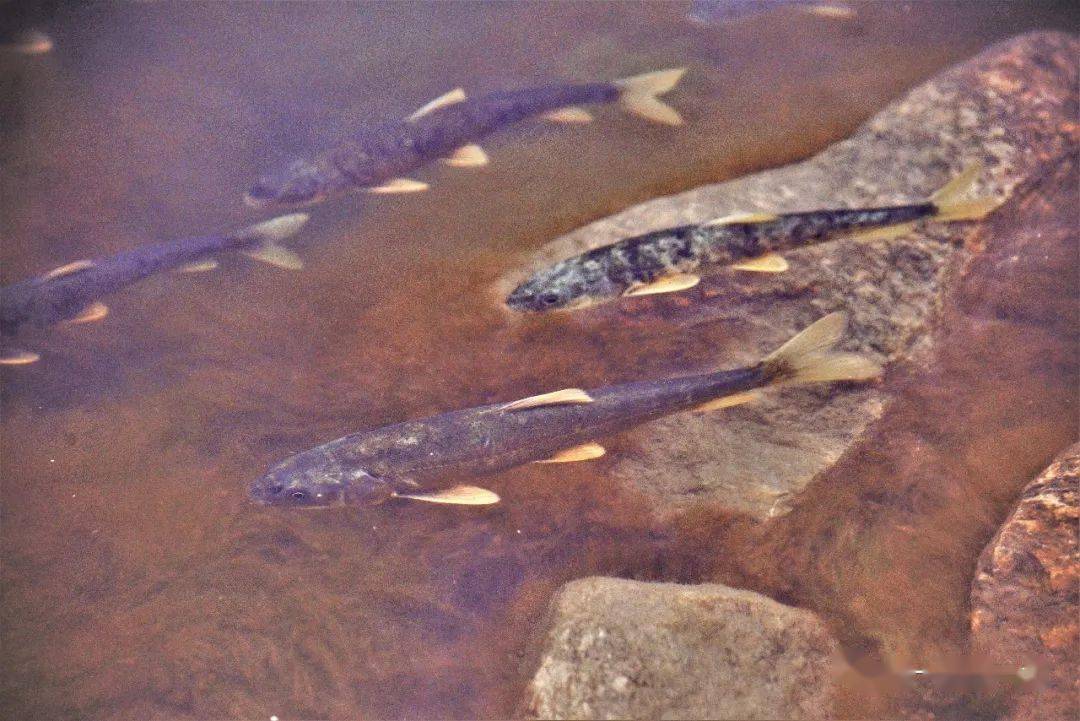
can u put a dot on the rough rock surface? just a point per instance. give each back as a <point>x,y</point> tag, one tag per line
<point>1010,108</point>
<point>626,649</point>
<point>1025,595</point>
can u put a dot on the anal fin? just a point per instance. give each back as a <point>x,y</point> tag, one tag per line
<point>584,452</point>
<point>569,114</point>
<point>735,399</point>
<point>398,185</point>
<point>456,496</point>
<point>275,255</point>
<point>18,357</point>
<point>200,266</point>
<point>95,311</point>
<point>767,263</point>
<point>555,398</point>
<point>887,232</point>
<point>665,284</point>
<point>467,156</point>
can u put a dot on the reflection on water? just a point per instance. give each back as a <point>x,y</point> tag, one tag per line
<point>138,581</point>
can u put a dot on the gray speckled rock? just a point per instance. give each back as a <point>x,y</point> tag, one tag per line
<point>1011,107</point>
<point>625,649</point>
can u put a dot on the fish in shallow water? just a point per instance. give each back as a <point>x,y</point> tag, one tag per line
<point>665,261</point>
<point>377,159</point>
<point>405,459</point>
<point>72,293</point>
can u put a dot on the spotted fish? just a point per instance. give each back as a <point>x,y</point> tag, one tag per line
<point>427,460</point>
<point>378,159</point>
<point>666,260</point>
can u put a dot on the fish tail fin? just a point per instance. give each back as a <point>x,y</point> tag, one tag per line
<point>263,240</point>
<point>808,357</point>
<point>951,207</point>
<point>638,95</point>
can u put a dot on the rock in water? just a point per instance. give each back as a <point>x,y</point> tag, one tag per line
<point>1024,599</point>
<point>626,649</point>
<point>1012,108</point>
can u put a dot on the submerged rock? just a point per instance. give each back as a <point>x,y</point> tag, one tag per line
<point>626,649</point>
<point>1025,595</point>
<point>1011,108</point>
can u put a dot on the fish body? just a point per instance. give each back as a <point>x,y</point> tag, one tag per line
<point>648,263</point>
<point>374,465</point>
<point>71,291</point>
<point>373,158</point>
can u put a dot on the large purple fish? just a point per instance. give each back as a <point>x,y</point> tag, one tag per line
<point>377,159</point>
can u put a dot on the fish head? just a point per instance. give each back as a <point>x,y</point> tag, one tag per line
<point>569,285</point>
<point>315,479</point>
<point>302,182</point>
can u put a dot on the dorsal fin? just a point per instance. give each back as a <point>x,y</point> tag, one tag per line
<point>555,398</point>
<point>452,97</point>
<point>73,267</point>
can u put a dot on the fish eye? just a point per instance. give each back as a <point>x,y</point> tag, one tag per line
<point>549,298</point>
<point>299,495</point>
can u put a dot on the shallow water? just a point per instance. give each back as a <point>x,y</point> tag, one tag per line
<point>138,581</point>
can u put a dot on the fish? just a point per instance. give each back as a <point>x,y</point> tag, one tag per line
<point>27,42</point>
<point>435,459</point>
<point>73,293</point>
<point>666,261</point>
<point>378,159</point>
<point>712,12</point>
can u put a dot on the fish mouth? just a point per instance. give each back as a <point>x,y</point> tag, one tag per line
<point>258,203</point>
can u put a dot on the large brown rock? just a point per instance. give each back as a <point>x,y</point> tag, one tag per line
<point>625,649</point>
<point>1024,601</point>
<point>1012,108</point>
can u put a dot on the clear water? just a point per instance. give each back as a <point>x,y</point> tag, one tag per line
<point>138,581</point>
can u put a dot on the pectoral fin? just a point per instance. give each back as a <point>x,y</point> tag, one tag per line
<point>467,156</point>
<point>457,496</point>
<point>584,452</point>
<point>768,263</point>
<point>68,269</point>
<point>17,357</point>
<point>742,219</point>
<point>570,114</point>
<point>92,312</point>
<point>665,284</point>
<point>555,398</point>
<point>736,399</point>
<point>198,267</point>
<point>452,97</point>
<point>399,185</point>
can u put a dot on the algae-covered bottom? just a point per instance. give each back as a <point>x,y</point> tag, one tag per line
<point>138,580</point>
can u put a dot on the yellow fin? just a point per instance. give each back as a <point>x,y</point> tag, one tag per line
<point>767,263</point>
<point>639,95</point>
<point>743,218</point>
<point>34,42</point>
<point>452,97</point>
<point>885,232</point>
<point>584,452</point>
<point>198,267</point>
<point>949,207</point>
<point>276,256</point>
<point>569,114</point>
<point>95,311</point>
<point>457,496</point>
<point>399,185</point>
<point>832,12</point>
<point>735,399</point>
<point>68,269</point>
<point>17,357</point>
<point>467,156</point>
<point>666,284</point>
<point>555,398</point>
